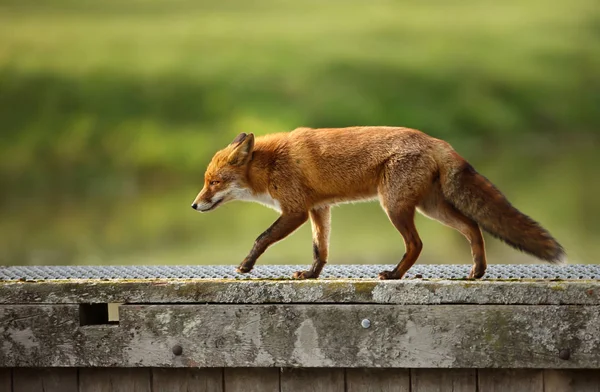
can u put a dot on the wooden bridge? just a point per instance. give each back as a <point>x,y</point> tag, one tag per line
<point>527,328</point>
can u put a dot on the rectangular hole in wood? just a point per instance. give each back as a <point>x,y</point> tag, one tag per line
<point>99,314</point>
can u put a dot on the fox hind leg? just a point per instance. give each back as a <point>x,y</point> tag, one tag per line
<point>403,183</point>
<point>436,207</point>
<point>320,219</point>
<point>402,217</point>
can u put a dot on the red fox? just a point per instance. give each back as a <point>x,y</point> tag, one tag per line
<point>303,172</point>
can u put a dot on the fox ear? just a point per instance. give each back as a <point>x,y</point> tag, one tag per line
<point>238,139</point>
<point>242,152</point>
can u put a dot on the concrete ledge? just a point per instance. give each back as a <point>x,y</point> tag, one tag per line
<point>219,291</point>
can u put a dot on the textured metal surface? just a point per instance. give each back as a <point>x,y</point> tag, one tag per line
<point>534,271</point>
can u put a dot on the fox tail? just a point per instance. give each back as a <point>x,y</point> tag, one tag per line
<point>477,198</point>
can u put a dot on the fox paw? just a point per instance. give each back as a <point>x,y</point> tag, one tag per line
<point>242,269</point>
<point>474,274</point>
<point>304,275</point>
<point>388,275</point>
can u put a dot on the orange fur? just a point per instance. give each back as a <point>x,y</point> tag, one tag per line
<point>301,173</point>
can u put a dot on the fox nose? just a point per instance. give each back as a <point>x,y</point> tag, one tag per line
<point>195,206</point>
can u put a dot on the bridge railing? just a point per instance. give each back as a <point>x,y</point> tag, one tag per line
<point>200,329</point>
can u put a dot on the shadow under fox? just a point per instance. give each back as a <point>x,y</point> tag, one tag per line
<point>303,172</point>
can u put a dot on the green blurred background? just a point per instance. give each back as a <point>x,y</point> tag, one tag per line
<point>110,111</point>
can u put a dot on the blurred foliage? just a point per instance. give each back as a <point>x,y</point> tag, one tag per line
<point>110,111</point>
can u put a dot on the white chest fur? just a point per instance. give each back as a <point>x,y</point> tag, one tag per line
<point>262,198</point>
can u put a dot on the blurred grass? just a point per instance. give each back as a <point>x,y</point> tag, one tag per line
<point>103,86</point>
<point>110,112</point>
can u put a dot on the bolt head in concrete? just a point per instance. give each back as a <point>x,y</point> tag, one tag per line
<point>177,350</point>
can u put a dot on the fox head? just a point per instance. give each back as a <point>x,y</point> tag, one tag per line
<point>225,178</point>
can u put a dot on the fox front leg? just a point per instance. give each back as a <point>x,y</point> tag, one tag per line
<point>281,228</point>
<point>320,219</point>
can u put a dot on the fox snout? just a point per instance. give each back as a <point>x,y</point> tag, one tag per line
<point>205,206</point>
<point>206,202</point>
<point>202,202</point>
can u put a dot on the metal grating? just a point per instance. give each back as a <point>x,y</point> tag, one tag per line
<point>534,271</point>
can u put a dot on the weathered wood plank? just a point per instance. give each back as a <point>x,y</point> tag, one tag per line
<point>252,379</point>
<point>32,333</point>
<point>267,379</point>
<point>44,380</point>
<point>377,380</point>
<point>5,379</point>
<point>572,380</point>
<point>443,336</point>
<point>499,380</point>
<point>115,380</point>
<point>312,380</point>
<point>187,380</point>
<point>440,336</point>
<point>443,380</point>
<point>413,292</point>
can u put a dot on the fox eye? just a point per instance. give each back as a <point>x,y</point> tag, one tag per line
<point>214,182</point>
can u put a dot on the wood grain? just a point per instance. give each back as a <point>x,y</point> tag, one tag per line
<point>44,380</point>
<point>312,380</point>
<point>252,380</point>
<point>377,380</point>
<point>115,380</point>
<point>499,380</point>
<point>187,380</point>
<point>5,379</point>
<point>572,380</point>
<point>443,380</point>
